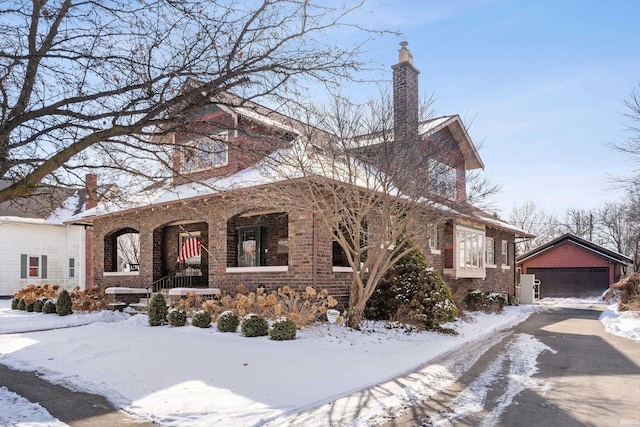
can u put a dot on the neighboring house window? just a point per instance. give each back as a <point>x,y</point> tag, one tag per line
<point>205,153</point>
<point>249,247</point>
<point>433,238</point>
<point>470,249</point>
<point>505,252</point>
<point>442,179</point>
<point>72,268</point>
<point>33,267</point>
<point>194,260</point>
<point>490,251</point>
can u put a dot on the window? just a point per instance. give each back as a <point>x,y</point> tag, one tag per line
<point>490,257</point>
<point>249,247</point>
<point>72,268</point>
<point>442,179</point>
<point>505,252</point>
<point>433,238</point>
<point>205,153</point>
<point>470,249</point>
<point>194,260</point>
<point>33,266</point>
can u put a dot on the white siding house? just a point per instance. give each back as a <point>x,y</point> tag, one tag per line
<point>34,252</point>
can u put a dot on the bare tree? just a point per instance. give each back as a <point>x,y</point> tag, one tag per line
<point>580,222</point>
<point>534,219</point>
<point>78,75</point>
<point>373,192</point>
<point>631,147</point>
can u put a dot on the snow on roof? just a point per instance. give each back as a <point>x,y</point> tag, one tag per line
<point>67,209</point>
<point>22,220</point>
<point>433,125</point>
<point>264,119</point>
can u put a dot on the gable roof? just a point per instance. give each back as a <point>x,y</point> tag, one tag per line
<point>579,242</point>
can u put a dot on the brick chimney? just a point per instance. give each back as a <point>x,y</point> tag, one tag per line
<point>91,190</point>
<point>405,95</point>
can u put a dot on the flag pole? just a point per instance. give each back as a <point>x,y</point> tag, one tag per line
<point>199,243</point>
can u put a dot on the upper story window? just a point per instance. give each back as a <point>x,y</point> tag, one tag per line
<point>205,153</point>
<point>434,246</point>
<point>442,179</point>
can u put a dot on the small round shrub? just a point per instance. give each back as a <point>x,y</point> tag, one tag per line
<point>29,306</point>
<point>49,307</point>
<point>228,322</point>
<point>157,310</point>
<point>254,326</point>
<point>283,329</point>
<point>63,305</point>
<point>37,306</point>
<point>177,317</point>
<point>477,300</point>
<point>14,303</point>
<point>201,319</point>
<point>22,305</point>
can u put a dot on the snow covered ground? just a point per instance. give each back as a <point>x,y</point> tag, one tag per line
<point>192,376</point>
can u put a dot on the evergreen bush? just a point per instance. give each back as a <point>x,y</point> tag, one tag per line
<point>414,292</point>
<point>64,303</point>
<point>49,307</point>
<point>21,304</point>
<point>228,322</point>
<point>157,310</point>
<point>283,329</point>
<point>14,303</point>
<point>37,306</point>
<point>177,317</point>
<point>29,306</point>
<point>201,319</point>
<point>254,326</point>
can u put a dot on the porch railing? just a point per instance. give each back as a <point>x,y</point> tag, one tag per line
<point>171,281</point>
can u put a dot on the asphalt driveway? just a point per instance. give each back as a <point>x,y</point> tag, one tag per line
<point>586,378</point>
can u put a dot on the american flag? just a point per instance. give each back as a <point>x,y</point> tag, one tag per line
<point>190,248</point>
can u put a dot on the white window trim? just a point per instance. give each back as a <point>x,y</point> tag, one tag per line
<point>221,136</point>
<point>504,253</point>
<point>466,273</point>
<point>120,273</point>
<point>341,269</point>
<point>486,263</point>
<point>434,249</point>
<point>75,268</point>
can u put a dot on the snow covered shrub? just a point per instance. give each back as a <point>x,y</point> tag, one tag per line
<point>304,308</point>
<point>418,292</point>
<point>21,304</point>
<point>14,303</point>
<point>228,321</point>
<point>627,291</point>
<point>38,304</point>
<point>177,317</point>
<point>157,310</point>
<point>477,300</point>
<point>201,319</point>
<point>63,305</point>
<point>254,326</point>
<point>49,306</point>
<point>89,300</point>
<point>283,329</point>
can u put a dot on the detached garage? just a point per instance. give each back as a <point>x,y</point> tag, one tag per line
<point>573,267</point>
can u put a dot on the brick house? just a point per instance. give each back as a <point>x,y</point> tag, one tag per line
<point>570,266</point>
<point>221,200</point>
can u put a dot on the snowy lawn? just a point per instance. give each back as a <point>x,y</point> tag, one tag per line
<point>192,376</point>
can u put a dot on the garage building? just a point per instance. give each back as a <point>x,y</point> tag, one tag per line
<point>570,266</point>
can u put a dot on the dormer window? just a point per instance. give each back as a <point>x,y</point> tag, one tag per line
<point>205,153</point>
<point>442,179</point>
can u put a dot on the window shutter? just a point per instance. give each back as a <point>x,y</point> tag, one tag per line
<point>43,271</point>
<point>23,266</point>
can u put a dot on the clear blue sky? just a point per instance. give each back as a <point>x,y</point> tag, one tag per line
<point>540,85</point>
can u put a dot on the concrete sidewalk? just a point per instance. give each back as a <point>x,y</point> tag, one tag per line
<point>73,408</point>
